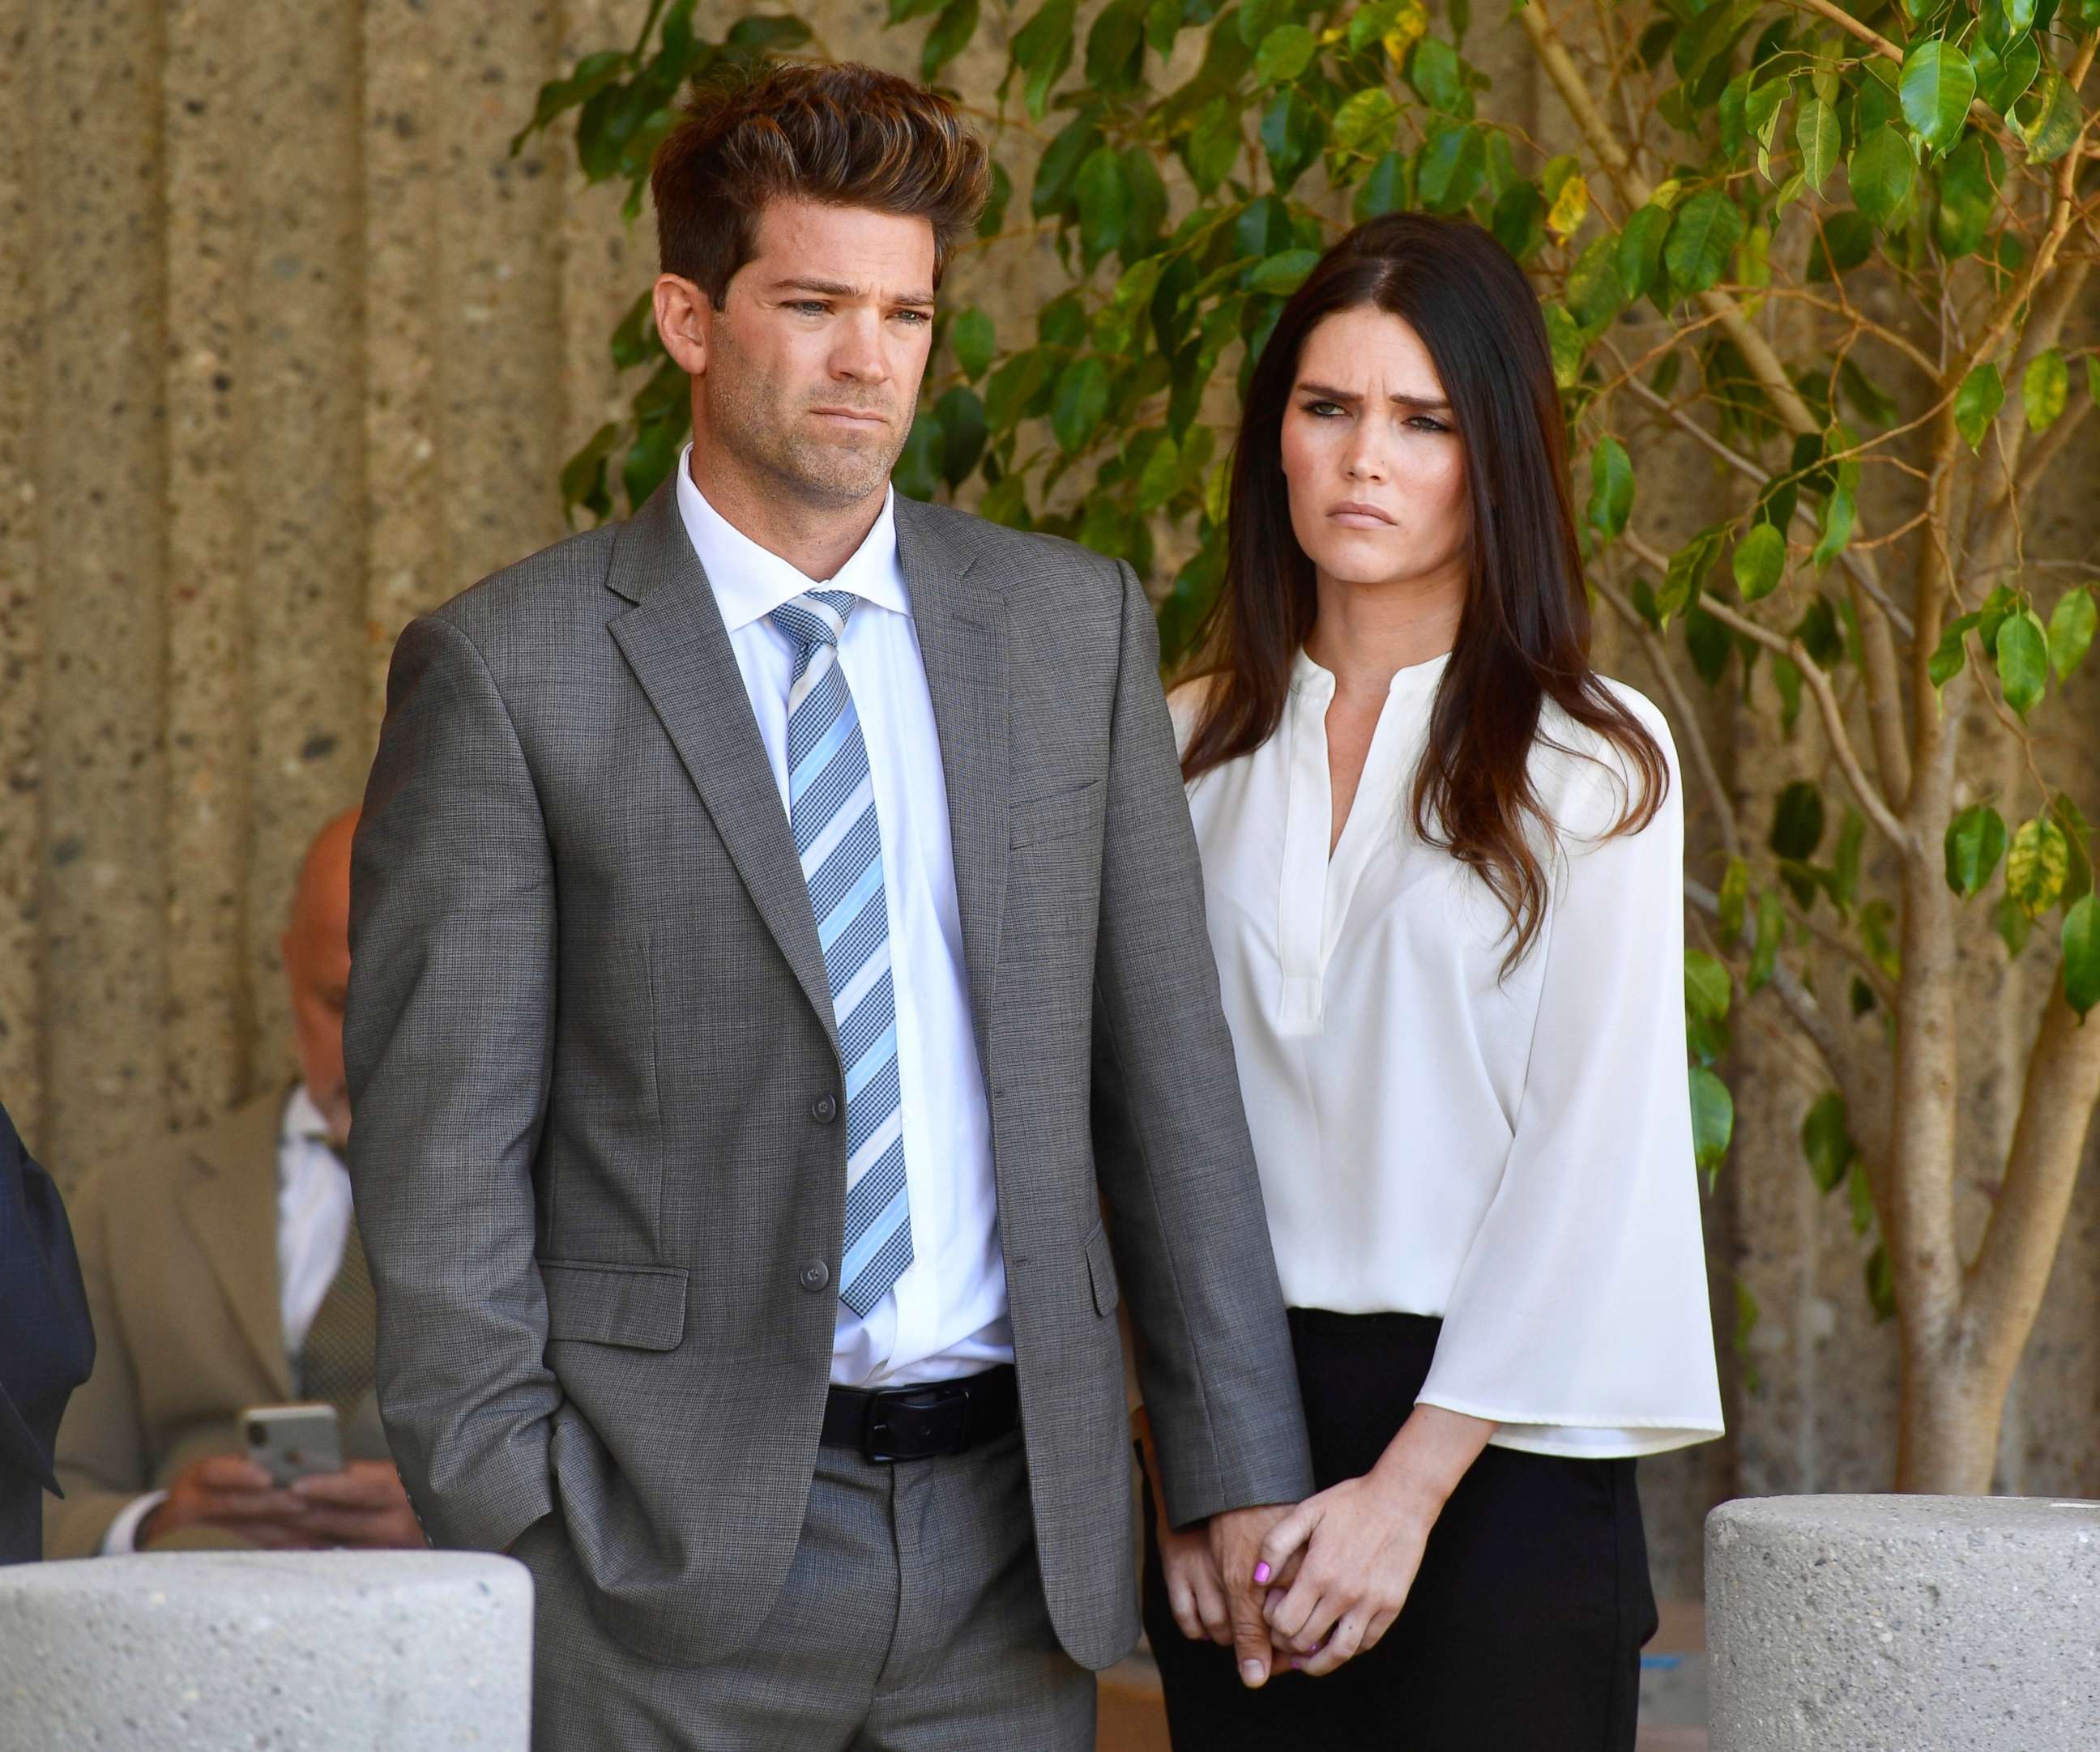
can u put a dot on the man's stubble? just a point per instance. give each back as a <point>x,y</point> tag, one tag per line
<point>760,422</point>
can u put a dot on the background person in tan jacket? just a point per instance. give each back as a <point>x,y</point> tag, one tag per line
<point>225,1271</point>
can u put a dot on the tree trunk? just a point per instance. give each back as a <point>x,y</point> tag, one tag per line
<point>1953,1403</point>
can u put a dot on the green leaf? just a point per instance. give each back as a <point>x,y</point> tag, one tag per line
<point>1952,655</point>
<point>962,418</point>
<point>1882,173</point>
<point>1764,953</point>
<point>1760,561</point>
<point>1082,399</point>
<point>2037,865</point>
<point>973,341</point>
<point>1115,46</point>
<point>2045,389</point>
<point>1160,476</point>
<point>2048,117</point>
<point>1450,168</point>
<point>1977,402</point>
<point>1735,899</point>
<point>2081,955</point>
<point>1826,1140</point>
<point>1837,519</point>
<point>1213,142</point>
<point>1975,842</point>
<point>1284,53</point>
<point>1937,86</point>
<point>1366,122</point>
<point>2070,628</point>
<point>1796,828</point>
<point>1593,294</point>
<point>950,36</point>
<point>1685,576</point>
<point>1564,335</point>
<point>917,473</point>
<point>2009,918</point>
<point>1844,240</point>
<point>1640,252</point>
<point>1043,49</point>
<point>1967,199</point>
<point>1520,220</point>
<point>1816,133</point>
<point>1433,70</point>
<point>1103,195</point>
<point>1713,1118</point>
<point>2023,661</point>
<point>1706,986</point>
<point>1704,235</point>
<point>1881,1282</point>
<point>1384,190</point>
<point>1611,488</point>
<point>1283,274</point>
<point>1058,168</point>
<point>1291,133</point>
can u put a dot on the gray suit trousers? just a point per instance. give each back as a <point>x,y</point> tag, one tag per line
<point>913,1620</point>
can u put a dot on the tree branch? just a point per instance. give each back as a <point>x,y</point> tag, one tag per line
<point>1870,797</point>
<point>1686,713</point>
<point>2005,1286</point>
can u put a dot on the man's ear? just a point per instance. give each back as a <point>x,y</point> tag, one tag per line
<point>684,320</point>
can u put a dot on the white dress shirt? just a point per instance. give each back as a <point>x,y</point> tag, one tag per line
<point>313,1222</point>
<point>946,1315</point>
<point>1512,1154</point>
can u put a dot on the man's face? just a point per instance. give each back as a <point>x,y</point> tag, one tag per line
<point>812,368</point>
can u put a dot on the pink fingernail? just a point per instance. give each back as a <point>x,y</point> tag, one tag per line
<point>1261,1572</point>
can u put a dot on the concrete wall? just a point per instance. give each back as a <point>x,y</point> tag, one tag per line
<point>290,348</point>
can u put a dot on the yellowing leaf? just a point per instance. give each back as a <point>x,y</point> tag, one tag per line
<point>2037,865</point>
<point>1570,207</point>
<point>1407,30</point>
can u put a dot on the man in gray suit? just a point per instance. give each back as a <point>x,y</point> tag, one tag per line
<point>777,933</point>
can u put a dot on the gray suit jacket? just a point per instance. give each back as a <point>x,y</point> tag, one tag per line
<point>588,1029</point>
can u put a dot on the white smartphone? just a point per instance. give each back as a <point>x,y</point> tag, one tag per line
<point>290,1441</point>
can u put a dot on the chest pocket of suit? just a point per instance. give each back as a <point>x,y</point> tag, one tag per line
<point>1037,819</point>
<point>1100,1270</point>
<point>642,1307</point>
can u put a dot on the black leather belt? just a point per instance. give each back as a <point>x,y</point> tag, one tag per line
<point>917,1423</point>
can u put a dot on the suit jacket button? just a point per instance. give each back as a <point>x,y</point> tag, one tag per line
<point>815,1275</point>
<point>824,1109</point>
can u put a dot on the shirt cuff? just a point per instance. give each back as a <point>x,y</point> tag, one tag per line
<point>122,1537</point>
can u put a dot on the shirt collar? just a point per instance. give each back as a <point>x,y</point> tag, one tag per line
<point>750,581</point>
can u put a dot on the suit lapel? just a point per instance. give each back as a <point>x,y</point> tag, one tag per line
<point>962,641</point>
<point>231,1204</point>
<point>675,642</point>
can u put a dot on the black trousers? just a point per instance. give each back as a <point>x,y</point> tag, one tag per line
<point>1523,1631</point>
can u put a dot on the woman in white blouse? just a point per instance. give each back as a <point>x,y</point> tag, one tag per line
<point>1443,860</point>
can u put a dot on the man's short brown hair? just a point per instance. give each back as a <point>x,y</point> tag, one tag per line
<point>844,135</point>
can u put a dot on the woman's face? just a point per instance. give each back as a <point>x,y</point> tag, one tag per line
<point>1376,472</point>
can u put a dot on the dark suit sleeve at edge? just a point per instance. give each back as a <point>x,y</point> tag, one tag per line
<point>1170,1142</point>
<point>448,1041</point>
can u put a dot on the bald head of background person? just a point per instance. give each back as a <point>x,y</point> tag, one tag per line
<point>316,949</point>
<point>149,1453</point>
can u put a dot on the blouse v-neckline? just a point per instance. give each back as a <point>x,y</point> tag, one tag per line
<point>1320,870</point>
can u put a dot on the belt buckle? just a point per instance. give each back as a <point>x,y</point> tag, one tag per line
<point>915,1423</point>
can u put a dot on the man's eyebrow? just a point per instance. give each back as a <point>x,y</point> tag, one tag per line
<point>1327,392</point>
<point>838,289</point>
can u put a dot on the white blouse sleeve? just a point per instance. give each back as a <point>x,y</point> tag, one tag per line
<point>1578,1322</point>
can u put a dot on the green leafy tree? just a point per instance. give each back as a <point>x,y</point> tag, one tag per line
<point>1841,249</point>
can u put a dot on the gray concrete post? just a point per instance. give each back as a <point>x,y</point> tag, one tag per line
<point>1904,1624</point>
<point>316,1651</point>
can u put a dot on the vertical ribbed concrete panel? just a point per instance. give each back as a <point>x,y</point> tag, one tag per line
<point>211,1015</point>
<point>305,460</point>
<point>99,445</point>
<point>21,668</point>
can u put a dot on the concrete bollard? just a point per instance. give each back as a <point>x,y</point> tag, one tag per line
<point>299,1652</point>
<point>1904,1624</point>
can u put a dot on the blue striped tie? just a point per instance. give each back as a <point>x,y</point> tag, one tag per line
<point>830,806</point>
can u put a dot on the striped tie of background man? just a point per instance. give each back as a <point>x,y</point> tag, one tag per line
<point>830,806</point>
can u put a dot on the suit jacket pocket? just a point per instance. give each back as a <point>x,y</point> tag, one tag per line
<point>642,1307</point>
<point>1035,819</point>
<point>1100,1269</point>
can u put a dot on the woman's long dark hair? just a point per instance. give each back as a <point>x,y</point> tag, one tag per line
<point>1524,633</point>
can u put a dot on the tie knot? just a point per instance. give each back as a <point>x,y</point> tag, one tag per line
<point>816,617</point>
